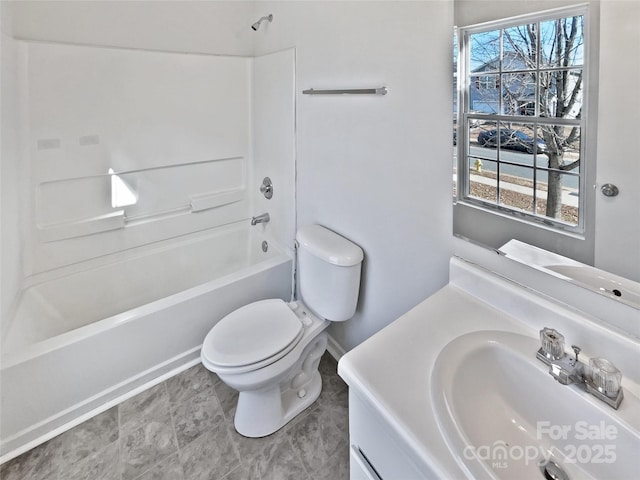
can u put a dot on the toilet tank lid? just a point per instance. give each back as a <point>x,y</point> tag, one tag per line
<point>329,246</point>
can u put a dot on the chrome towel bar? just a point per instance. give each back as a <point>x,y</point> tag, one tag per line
<point>353,91</point>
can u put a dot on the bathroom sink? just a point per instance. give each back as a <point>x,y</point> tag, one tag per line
<point>602,282</point>
<point>594,279</point>
<point>502,414</point>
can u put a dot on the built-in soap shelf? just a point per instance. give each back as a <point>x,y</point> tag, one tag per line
<point>207,201</point>
<point>75,207</point>
<point>80,228</point>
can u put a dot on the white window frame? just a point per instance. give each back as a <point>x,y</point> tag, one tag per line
<point>465,114</point>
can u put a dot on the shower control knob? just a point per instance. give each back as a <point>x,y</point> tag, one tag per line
<point>267,188</point>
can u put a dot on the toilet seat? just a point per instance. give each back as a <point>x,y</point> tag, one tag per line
<point>252,337</point>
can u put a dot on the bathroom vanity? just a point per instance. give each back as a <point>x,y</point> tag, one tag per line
<point>453,389</point>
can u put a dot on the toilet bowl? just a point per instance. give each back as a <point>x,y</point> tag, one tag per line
<point>274,387</point>
<point>269,350</point>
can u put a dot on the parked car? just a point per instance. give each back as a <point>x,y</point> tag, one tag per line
<point>511,140</point>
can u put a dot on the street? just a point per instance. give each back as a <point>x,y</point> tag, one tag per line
<point>524,159</point>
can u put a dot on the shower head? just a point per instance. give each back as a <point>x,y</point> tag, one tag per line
<point>256,25</point>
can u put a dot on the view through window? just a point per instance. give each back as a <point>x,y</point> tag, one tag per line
<point>521,118</point>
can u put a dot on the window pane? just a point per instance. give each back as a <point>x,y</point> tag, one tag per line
<point>483,141</point>
<point>482,180</point>
<point>562,42</point>
<point>487,140</point>
<point>484,93</point>
<point>515,140</point>
<point>455,155</point>
<point>455,74</point>
<point>558,171</point>
<point>484,53</point>
<point>565,200</point>
<point>516,188</point>
<point>518,143</point>
<point>561,147</point>
<point>519,47</point>
<point>561,93</point>
<point>518,93</point>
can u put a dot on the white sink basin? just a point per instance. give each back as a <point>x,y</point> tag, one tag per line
<point>605,283</point>
<point>501,414</point>
<point>599,281</point>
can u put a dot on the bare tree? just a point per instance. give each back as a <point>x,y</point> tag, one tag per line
<point>565,88</point>
<point>559,92</point>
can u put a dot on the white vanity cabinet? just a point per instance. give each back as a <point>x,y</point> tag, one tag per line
<point>376,451</point>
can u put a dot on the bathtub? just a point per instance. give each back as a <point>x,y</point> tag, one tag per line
<point>85,338</point>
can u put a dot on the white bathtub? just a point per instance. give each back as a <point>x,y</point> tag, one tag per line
<point>79,342</point>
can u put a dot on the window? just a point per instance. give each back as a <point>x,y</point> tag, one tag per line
<point>521,92</point>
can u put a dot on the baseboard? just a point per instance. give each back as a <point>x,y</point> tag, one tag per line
<point>110,397</point>
<point>334,348</point>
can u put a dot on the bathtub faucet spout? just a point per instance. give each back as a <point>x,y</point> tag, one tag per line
<point>264,218</point>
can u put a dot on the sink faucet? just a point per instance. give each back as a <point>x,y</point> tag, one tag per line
<point>600,378</point>
<point>264,218</point>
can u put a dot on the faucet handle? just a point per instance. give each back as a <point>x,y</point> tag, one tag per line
<point>552,343</point>
<point>606,377</point>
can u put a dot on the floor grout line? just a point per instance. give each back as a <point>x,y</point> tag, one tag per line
<point>120,468</point>
<point>173,428</point>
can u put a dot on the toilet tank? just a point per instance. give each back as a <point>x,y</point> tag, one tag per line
<point>328,272</point>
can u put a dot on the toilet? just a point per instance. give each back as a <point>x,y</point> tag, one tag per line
<point>269,350</point>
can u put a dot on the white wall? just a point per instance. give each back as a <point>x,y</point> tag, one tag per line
<point>273,135</point>
<point>6,19</point>
<point>12,176</point>
<point>470,12</point>
<point>618,218</point>
<point>374,169</point>
<point>215,27</point>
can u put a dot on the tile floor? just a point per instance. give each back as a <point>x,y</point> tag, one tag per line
<point>182,429</point>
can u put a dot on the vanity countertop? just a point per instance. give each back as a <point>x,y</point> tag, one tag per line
<point>390,372</point>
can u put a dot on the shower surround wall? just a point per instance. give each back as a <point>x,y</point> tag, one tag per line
<point>94,109</point>
<point>11,175</point>
<point>187,138</point>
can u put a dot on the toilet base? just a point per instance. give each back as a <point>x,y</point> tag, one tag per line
<point>262,412</point>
